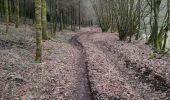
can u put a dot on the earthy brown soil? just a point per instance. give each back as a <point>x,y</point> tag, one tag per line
<point>83,65</point>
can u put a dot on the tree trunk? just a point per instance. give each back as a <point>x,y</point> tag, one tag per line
<point>44,20</point>
<point>71,18</point>
<point>61,19</point>
<point>167,27</point>
<point>155,27</point>
<point>25,12</point>
<point>79,15</point>
<point>6,15</point>
<point>74,20</point>
<point>139,19</point>
<point>154,39</point>
<point>168,6</point>
<point>17,13</point>
<point>2,7</point>
<point>38,57</point>
<point>10,10</point>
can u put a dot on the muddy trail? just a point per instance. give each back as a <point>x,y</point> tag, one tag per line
<point>110,75</point>
<point>84,88</point>
<point>83,65</point>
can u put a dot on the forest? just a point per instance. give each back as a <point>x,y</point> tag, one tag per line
<point>84,49</point>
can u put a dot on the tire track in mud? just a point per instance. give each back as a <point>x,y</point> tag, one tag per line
<point>132,76</point>
<point>141,88</point>
<point>85,85</point>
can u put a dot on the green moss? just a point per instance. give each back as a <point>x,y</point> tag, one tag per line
<point>152,55</point>
<point>38,57</point>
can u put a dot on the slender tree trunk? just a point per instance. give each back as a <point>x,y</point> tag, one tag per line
<point>79,14</point>
<point>2,7</point>
<point>51,19</point>
<point>52,30</point>
<point>6,15</point>
<point>67,18</point>
<point>71,18</point>
<point>145,28</point>
<point>168,26</point>
<point>61,19</point>
<point>10,10</point>
<point>17,13</point>
<point>44,20</point>
<point>25,12</point>
<point>111,25</point>
<point>57,13</point>
<point>38,57</point>
<point>64,19</point>
<point>168,6</point>
<point>139,19</point>
<point>74,21</point>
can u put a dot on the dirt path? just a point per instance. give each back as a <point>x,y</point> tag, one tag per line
<point>84,86</point>
<point>109,64</point>
<point>149,89</point>
<point>84,65</point>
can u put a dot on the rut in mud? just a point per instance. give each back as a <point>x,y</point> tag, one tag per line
<point>109,74</point>
<point>84,65</point>
<point>85,86</point>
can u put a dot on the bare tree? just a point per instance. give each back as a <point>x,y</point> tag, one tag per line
<point>128,14</point>
<point>103,11</point>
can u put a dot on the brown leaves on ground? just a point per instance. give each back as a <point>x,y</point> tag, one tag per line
<point>117,70</point>
<point>121,70</point>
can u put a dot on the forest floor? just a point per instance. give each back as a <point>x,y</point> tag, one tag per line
<point>82,65</point>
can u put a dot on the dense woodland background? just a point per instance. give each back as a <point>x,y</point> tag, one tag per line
<point>84,49</point>
<point>129,18</point>
<point>56,15</point>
